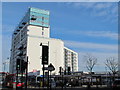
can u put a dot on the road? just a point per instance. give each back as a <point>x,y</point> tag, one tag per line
<point>64,89</point>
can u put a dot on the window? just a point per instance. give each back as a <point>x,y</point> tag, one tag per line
<point>42,28</point>
<point>42,33</point>
<point>42,18</point>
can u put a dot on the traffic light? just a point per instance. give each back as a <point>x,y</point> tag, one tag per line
<point>69,71</point>
<point>44,54</point>
<point>60,70</point>
<point>23,65</point>
<point>18,64</point>
<point>65,72</point>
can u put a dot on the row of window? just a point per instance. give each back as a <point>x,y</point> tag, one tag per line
<point>23,34</point>
<point>39,11</point>
<point>16,53</point>
<point>41,22</point>
<point>15,50</point>
<point>39,14</point>
<point>22,24</point>
<point>39,18</point>
<point>18,39</point>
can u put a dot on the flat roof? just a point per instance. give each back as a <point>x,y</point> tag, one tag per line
<point>39,10</point>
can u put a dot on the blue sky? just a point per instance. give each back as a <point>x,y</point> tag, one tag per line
<point>84,27</point>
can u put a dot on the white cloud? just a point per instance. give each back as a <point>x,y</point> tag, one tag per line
<point>103,5</point>
<point>82,4</point>
<point>87,45</point>
<point>93,5</point>
<point>107,34</point>
<point>101,59</point>
<point>99,9</point>
<point>92,33</point>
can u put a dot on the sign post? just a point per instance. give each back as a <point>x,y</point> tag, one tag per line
<point>50,68</point>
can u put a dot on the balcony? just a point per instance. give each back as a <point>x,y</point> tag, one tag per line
<point>33,18</point>
<point>25,46</point>
<point>15,33</point>
<point>20,47</point>
<point>20,53</point>
<point>18,57</point>
<point>20,27</point>
<point>24,53</point>
<point>23,23</point>
<point>17,30</point>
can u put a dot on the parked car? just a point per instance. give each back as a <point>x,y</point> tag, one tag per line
<point>116,84</point>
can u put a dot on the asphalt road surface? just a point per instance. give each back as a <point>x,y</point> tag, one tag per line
<point>64,89</point>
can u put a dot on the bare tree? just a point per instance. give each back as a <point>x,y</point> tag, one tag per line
<point>112,64</point>
<point>91,61</point>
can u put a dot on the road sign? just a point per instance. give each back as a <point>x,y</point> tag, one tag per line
<point>51,67</point>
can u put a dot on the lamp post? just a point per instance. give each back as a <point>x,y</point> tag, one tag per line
<point>4,66</point>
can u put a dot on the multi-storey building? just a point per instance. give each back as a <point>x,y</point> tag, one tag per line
<point>33,30</point>
<point>70,59</point>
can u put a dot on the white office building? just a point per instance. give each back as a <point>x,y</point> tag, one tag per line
<point>32,31</point>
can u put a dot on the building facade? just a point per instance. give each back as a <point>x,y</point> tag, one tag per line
<point>33,30</point>
<point>70,59</point>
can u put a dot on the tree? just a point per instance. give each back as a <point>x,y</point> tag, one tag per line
<point>91,61</point>
<point>112,64</point>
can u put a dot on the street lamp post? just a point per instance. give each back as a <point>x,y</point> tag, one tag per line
<point>4,66</point>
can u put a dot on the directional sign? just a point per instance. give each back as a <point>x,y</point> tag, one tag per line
<point>51,67</point>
